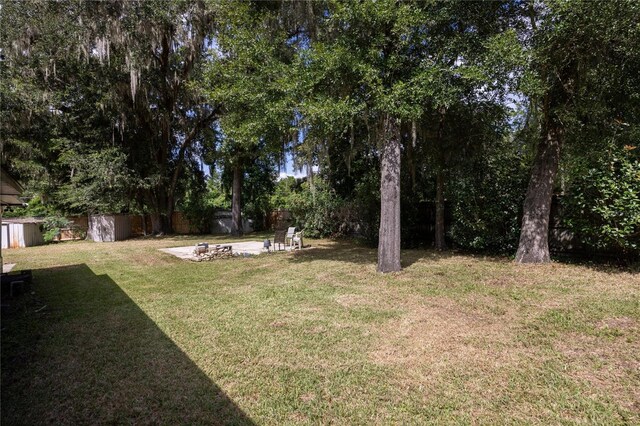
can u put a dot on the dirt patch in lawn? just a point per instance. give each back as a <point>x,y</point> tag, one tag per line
<point>147,259</point>
<point>498,282</point>
<point>354,300</point>
<point>620,323</point>
<point>611,365</point>
<point>436,338</point>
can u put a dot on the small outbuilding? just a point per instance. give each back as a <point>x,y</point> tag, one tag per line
<point>221,223</point>
<point>107,228</point>
<point>21,233</point>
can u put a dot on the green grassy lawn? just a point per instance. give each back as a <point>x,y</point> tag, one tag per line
<point>123,333</point>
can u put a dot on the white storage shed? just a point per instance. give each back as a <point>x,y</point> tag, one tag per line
<point>21,233</point>
<point>106,228</point>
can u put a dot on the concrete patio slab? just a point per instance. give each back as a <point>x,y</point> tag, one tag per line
<point>243,248</point>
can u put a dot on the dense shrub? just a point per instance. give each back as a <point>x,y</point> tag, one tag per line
<point>315,207</point>
<point>201,202</point>
<point>34,208</point>
<point>602,206</point>
<point>487,200</point>
<point>366,206</point>
<point>52,226</point>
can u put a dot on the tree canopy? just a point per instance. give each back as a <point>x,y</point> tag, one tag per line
<point>410,117</point>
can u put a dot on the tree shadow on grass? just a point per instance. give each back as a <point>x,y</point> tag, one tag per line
<point>609,266</point>
<point>80,351</point>
<point>348,251</point>
<point>360,254</point>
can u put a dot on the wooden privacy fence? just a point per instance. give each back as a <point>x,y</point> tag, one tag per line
<point>415,232</point>
<point>77,230</point>
<point>278,219</point>
<point>181,224</point>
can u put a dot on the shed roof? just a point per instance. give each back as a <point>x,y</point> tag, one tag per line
<point>35,220</point>
<point>10,189</point>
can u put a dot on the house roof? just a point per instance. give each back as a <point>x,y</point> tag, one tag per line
<point>10,190</point>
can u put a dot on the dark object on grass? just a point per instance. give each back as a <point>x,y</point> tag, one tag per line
<point>216,252</point>
<point>280,237</point>
<point>201,248</point>
<point>14,283</point>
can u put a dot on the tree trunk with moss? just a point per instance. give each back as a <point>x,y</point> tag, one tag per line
<point>389,235</point>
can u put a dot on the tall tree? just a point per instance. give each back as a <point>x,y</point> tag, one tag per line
<point>362,58</point>
<point>164,46</point>
<point>141,59</point>
<point>571,41</point>
<point>386,62</point>
<point>57,129</point>
<point>249,80</point>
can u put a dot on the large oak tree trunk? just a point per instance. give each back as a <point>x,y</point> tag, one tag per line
<point>160,208</point>
<point>157,223</point>
<point>143,216</point>
<point>440,242</point>
<point>168,224</point>
<point>389,236</point>
<point>534,235</point>
<point>236,201</point>
<point>186,144</point>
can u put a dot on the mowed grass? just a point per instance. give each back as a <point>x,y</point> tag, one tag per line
<point>123,333</point>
